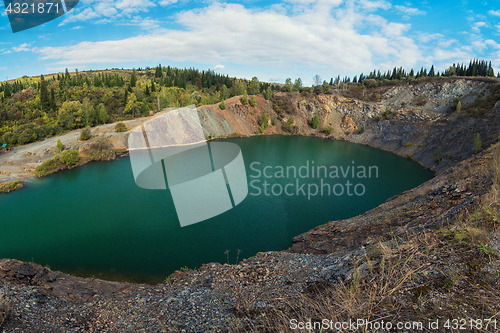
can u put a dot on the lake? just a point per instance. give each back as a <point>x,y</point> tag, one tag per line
<point>95,221</point>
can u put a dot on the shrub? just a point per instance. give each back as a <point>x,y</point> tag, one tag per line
<point>59,145</point>
<point>362,130</point>
<point>222,105</point>
<point>377,118</point>
<point>477,143</point>
<point>421,101</point>
<point>327,130</point>
<point>268,93</point>
<point>244,99</point>
<point>274,121</point>
<point>288,126</point>
<point>408,144</point>
<point>85,134</point>
<point>253,101</point>
<point>459,106</point>
<point>264,121</point>
<point>315,121</point>
<point>120,127</point>
<point>438,155</point>
<point>69,157</point>
<point>6,188</point>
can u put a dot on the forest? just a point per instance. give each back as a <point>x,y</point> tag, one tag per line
<point>34,108</point>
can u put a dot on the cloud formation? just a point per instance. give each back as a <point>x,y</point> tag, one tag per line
<point>322,33</point>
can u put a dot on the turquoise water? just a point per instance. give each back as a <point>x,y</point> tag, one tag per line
<point>94,220</point>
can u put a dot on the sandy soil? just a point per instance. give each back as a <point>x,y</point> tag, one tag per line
<point>20,162</point>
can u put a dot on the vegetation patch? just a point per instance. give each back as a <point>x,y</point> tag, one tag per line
<point>9,187</point>
<point>121,127</point>
<point>67,158</point>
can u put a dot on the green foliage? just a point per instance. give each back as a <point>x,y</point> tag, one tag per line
<point>102,114</point>
<point>59,145</point>
<point>253,101</point>
<point>133,79</point>
<point>362,130</point>
<point>478,143</point>
<point>69,157</point>
<point>264,120</point>
<point>9,187</point>
<point>244,99</point>
<point>65,159</point>
<point>327,130</point>
<point>222,105</point>
<point>274,121</point>
<point>408,144</point>
<point>314,121</point>
<point>459,106</point>
<point>268,93</point>
<point>288,126</point>
<point>377,118</point>
<point>438,155</point>
<point>121,127</point>
<point>85,134</point>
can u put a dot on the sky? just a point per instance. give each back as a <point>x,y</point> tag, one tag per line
<point>272,40</point>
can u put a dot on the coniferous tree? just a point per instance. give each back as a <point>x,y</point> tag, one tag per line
<point>133,79</point>
<point>44,95</point>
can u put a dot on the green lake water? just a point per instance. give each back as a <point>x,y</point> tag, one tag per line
<point>95,221</point>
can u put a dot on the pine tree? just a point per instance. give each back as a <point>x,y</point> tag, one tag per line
<point>66,75</point>
<point>133,79</point>
<point>158,72</point>
<point>44,95</point>
<point>431,72</point>
<point>59,145</point>
<point>222,105</point>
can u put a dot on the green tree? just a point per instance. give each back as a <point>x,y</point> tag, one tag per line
<point>44,95</point>
<point>133,79</point>
<point>459,106</point>
<point>102,114</point>
<point>438,155</point>
<point>253,101</point>
<point>268,94</point>
<point>244,99</point>
<point>288,85</point>
<point>59,145</point>
<point>315,121</point>
<point>478,143</point>
<point>222,105</point>
<point>133,106</point>
<point>70,114</point>
<point>254,86</point>
<point>85,134</point>
<point>298,84</point>
<point>264,120</point>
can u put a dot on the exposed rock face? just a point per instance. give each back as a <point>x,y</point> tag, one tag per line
<point>349,124</point>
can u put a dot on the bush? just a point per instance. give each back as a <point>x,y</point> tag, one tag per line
<point>314,121</point>
<point>274,121</point>
<point>362,130</point>
<point>244,99</point>
<point>377,118</point>
<point>69,157</point>
<point>408,144</point>
<point>327,130</point>
<point>264,121</point>
<point>59,145</point>
<point>6,188</point>
<point>120,127</point>
<point>222,105</point>
<point>288,126</point>
<point>438,155</point>
<point>85,134</point>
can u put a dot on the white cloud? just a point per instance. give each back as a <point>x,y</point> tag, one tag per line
<point>494,12</point>
<point>476,26</point>
<point>3,68</point>
<point>218,67</point>
<point>77,27</point>
<point>409,11</point>
<point>323,35</point>
<point>22,47</point>
<point>167,2</point>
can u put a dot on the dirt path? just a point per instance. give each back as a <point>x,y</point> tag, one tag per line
<point>20,162</point>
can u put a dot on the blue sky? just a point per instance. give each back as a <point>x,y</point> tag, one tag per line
<point>272,40</point>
